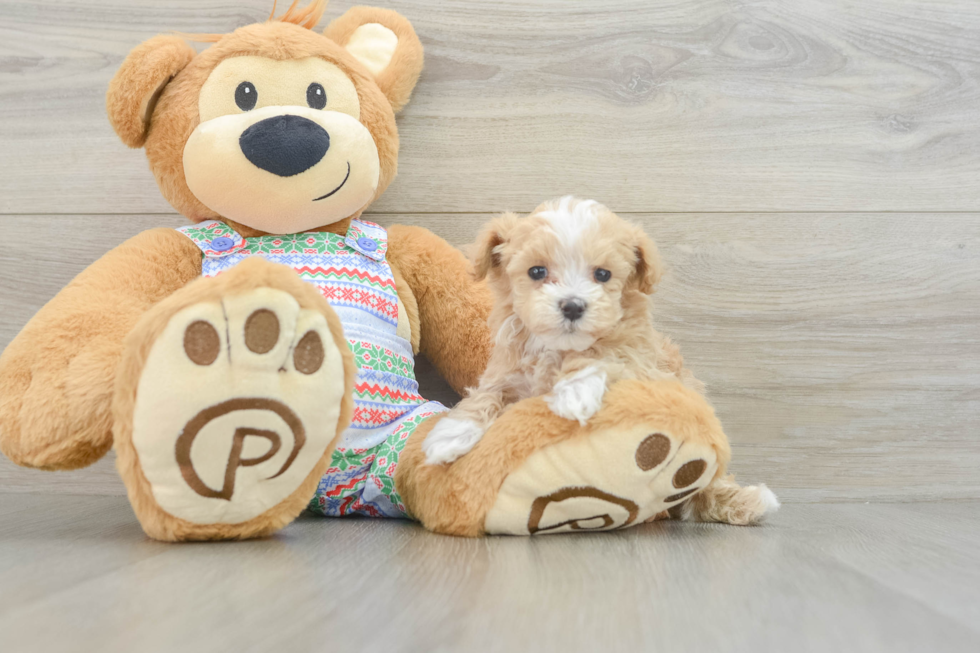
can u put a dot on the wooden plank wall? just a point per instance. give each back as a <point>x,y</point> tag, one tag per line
<point>810,168</point>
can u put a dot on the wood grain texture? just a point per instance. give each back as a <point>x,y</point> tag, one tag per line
<point>78,575</point>
<point>842,352</point>
<point>703,105</point>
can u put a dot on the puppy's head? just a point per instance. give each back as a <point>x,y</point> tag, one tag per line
<point>568,271</point>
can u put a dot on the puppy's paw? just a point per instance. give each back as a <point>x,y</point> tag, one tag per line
<point>450,439</point>
<point>578,396</point>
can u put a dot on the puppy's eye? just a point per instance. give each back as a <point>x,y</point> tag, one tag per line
<point>246,96</point>
<point>316,97</point>
<point>538,272</point>
<point>602,276</point>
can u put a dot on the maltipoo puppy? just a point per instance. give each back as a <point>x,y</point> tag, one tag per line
<point>572,283</point>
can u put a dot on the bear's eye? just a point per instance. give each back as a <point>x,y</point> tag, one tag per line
<point>246,96</point>
<point>602,276</point>
<point>538,272</point>
<point>316,97</point>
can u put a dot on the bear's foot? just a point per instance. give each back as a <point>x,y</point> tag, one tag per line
<point>614,478</point>
<point>229,407</point>
<point>651,447</point>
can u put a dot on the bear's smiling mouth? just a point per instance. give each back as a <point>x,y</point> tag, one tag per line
<point>323,197</point>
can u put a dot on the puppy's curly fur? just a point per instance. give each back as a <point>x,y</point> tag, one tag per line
<point>573,285</point>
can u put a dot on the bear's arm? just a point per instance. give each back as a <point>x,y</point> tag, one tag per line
<point>452,307</point>
<point>56,376</point>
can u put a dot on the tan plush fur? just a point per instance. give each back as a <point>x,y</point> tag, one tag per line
<point>57,376</point>
<point>401,75</point>
<point>452,307</point>
<point>135,89</point>
<point>455,499</point>
<point>248,275</point>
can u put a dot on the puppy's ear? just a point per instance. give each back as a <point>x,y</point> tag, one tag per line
<point>139,82</point>
<point>648,267</point>
<point>386,44</point>
<point>485,252</point>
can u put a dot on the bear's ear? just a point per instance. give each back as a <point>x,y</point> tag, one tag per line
<point>386,44</point>
<point>137,85</point>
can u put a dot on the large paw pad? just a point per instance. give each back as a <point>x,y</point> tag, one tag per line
<point>608,480</point>
<point>236,404</point>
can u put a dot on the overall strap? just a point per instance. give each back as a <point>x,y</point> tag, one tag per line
<point>367,238</point>
<point>214,238</point>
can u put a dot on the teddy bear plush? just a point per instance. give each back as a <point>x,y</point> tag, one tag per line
<point>259,361</point>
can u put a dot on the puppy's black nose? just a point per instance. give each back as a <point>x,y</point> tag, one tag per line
<point>572,309</point>
<point>285,145</point>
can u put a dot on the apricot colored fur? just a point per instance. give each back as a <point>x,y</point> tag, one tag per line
<point>727,502</point>
<point>622,341</point>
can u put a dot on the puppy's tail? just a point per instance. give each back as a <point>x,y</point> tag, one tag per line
<point>727,502</point>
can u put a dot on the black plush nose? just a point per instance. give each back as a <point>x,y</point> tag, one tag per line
<point>572,309</point>
<point>285,145</point>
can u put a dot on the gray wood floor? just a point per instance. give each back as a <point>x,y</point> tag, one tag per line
<point>78,575</point>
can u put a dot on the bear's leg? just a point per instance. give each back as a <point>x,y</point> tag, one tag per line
<point>229,401</point>
<point>652,446</point>
<point>57,376</point>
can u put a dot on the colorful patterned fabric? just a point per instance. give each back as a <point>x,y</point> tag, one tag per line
<point>362,481</point>
<point>360,288</point>
<point>360,236</point>
<point>352,274</point>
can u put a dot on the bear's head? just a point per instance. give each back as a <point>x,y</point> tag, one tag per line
<point>274,128</point>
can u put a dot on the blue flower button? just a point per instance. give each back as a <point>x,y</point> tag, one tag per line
<point>367,244</point>
<point>222,244</point>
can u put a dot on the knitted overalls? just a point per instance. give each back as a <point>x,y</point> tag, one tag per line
<point>352,274</point>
